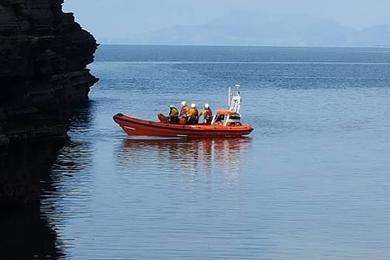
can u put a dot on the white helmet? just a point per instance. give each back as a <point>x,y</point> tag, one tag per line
<point>206,105</point>
<point>193,105</point>
<point>171,106</point>
<point>183,103</point>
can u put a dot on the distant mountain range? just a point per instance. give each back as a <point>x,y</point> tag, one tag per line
<point>245,28</point>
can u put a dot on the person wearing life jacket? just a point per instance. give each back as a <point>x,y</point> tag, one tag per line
<point>184,110</point>
<point>193,115</point>
<point>207,114</point>
<point>173,115</point>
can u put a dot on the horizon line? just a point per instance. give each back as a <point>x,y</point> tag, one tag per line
<point>247,45</point>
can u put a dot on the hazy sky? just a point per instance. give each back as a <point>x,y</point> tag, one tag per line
<point>121,18</point>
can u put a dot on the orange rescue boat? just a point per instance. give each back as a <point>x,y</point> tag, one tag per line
<point>225,123</point>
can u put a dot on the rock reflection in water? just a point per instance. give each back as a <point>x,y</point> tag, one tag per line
<point>74,157</point>
<point>25,234</point>
<point>187,156</point>
<point>72,161</point>
<point>28,232</point>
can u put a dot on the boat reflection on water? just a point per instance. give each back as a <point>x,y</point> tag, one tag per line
<point>193,156</point>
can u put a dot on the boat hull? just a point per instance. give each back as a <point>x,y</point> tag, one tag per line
<point>139,127</point>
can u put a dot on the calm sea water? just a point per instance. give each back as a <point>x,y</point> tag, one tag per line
<point>311,182</point>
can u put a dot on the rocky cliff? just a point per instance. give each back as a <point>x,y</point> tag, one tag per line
<point>43,59</point>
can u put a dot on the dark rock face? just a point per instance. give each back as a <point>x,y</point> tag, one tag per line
<point>43,59</point>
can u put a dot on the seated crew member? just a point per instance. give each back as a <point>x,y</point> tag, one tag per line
<point>184,110</point>
<point>193,115</point>
<point>173,115</point>
<point>207,114</point>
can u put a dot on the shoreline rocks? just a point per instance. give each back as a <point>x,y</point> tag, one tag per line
<point>44,55</point>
